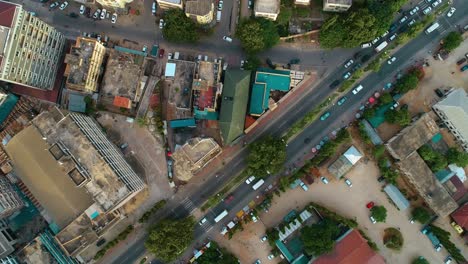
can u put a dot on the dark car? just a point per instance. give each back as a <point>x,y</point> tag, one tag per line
<point>439,92</point>
<point>357,55</point>
<point>334,84</point>
<point>365,58</point>
<point>464,68</point>
<point>101,242</point>
<point>270,64</point>
<point>461,61</point>
<point>87,12</point>
<point>294,61</point>
<point>161,53</point>
<point>356,67</point>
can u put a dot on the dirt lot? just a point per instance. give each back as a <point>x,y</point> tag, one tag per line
<point>350,202</point>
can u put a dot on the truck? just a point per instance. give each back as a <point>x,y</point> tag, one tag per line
<point>433,27</point>
<point>381,46</point>
<point>221,216</point>
<point>218,16</point>
<point>434,240</point>
<point>258,184</point>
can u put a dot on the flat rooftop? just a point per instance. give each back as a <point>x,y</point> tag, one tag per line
<point>340,2</point>
<point>267,6</point>
<point>79,62</point>
<point>198,7</point>
<point>430,189</point>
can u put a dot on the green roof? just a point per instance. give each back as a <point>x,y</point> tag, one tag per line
<point>205,114</point>
<point>235,97</point>
<point>259,99</point>
<point>177,123</point>
<point>275,80</point>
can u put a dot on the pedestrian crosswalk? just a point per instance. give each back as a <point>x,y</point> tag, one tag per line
<point>188,205</point>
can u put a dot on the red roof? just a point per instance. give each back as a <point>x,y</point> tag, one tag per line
<point>120,101</point>
<point>461,216</point>
<point>351,249</point>
<point>7,12</point>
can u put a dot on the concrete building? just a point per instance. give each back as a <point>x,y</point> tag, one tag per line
<point>169,4</point>
<point>84,65</point>
<point>206,89</point>
<point>30,49</point>
<point>10,201</point>
<point>202,11</point>
<point>337,5</point>
<point>7,240</point>
<point>302,2</point>
<point>114,4</point>
<point>453,111</point>
<point>267,8</point>
<point>44,249</point>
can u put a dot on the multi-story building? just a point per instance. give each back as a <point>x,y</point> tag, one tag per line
<point>337,5</point>
<point>10,201</point>
<point>453,111</point>
<point>168,4</point>
<point>7,239</point>
<point>302,2</point>
<point>30,50</point>
<point>84,65</point>
<point>202,11</point>
<point>267,8</point>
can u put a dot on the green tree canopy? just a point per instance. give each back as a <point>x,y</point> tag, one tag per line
<point>434,160</point>
<point>457,157</point>
<point>319,238</point>
<point>257,34</point>
<point>215,254</point>
<point>393,238</point>
<point>421,215</point>
<point>389,174</point>
<point>400,116</point>
<point>179,28</point>
<point>406,83</point>
<point>452,41</point>
<point>252,63</point>
<point>169,238</point>
<point>420,260</point>
<point>379,213</point>
<point>386,98</point>
<point>368,113</point>
<point>267,155</point>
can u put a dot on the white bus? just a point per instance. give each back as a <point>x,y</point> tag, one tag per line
<point>258,184</point>
<point>433,27</point>
<point>381,46</point>
<point>221,216</point>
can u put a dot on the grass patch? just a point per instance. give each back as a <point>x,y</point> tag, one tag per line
<point>215,199</point>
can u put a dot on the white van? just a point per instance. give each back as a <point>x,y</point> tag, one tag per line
<point>366,45</point>
<point>433,27</point>
<point>357,89</point>
<point>218,16</point>
<point>228,39</point>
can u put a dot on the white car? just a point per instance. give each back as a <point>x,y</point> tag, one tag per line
<point>250,179</point>
<point>414,10</point>
<point>63,5</point>
<point>82,9</point>
<point>203,221</point>
<point>254,218</point>
<point>357,89</point>
<point>391,60</point>
<point>228,39</point>
<point>103,14</point>
<point>411,22</point>
<point>304,186</point>
<point>403,19</point>
<point>96,14</point>
<point>220,5</point>
<point>348,63</point>
<point>349,183</point>
<point>324,180</point>
<point>347,75</point>
<point>366,45</point>
<point>242,64</point>
<point>153,8</point>
<point>436,3</point>
<point>427,10</point>
<point>372,219</point>
<point>161,23</point>
<point>392,37</point>
<point>375,40</point>
<point>451,11</point>
<point>271,256</point>
<point>114,18</point>
<point>263,238</point>
<point>385,34</point>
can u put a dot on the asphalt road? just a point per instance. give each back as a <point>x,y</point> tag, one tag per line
<point>417,49</point>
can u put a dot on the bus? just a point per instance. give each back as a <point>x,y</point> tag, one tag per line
<point>433,27</point>
<point>221,216</point>
<point>258,184</point>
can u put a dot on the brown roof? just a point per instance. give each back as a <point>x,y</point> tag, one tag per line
<point>123,102</point>
<point>7,12</point>
<point>461,216</point>
<point>352,249</point>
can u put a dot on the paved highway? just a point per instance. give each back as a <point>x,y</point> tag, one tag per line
<point>417,49</point>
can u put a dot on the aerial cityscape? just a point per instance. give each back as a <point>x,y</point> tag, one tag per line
<point>234,131</point>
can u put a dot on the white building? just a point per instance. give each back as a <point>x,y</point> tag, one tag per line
<point>267,8</point>
<point>337,5</point>
<point>453,111</point>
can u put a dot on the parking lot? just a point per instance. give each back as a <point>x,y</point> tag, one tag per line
<point>349,202</point>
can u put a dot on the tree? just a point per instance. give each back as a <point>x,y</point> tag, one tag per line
<point>319,238</point>
<point>252,63</point>
<point>434,159</point>
<point>406,83</point>
<point>421,215</point>
<point>179,28</point>
<point>257,34</point>
<point>379,150</point>
<point>452,41</point>
<point>400,117</point>
<point>393,238</point>
<point>386,98</point>
<point>368,113</point>
<point>379,213</point>
<point>444,238</point>
<point>215,254</point>
<point>426,152</point>
<point>457,157</point>
<point>389,174</point>
<point>169,238</point>
<point>141,121</point>
<point>266,156</point>
<point>420,260</point>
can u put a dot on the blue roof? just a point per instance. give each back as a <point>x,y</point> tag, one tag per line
<point>275,80</point>
<point>189,122</point>
<point>76,103</point>
<point>131,51</point>
<point>284,250</point>
<point>205,114</point>
<point>397,197</point>
<point>259,99</point>
<point>444,175</point>
<point>7,106</point>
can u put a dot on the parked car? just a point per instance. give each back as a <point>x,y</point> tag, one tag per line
<point>63,5</point>
<point>325,116</point>
<point>349,183</point>
<point>97,13</point>
<point>375,40</point>
<point>392,37</point>
<point>369,205</point>
<point>348,64</point>
<point>254,218</point>
<point>411,22</point>
<point>366,45</point>
<point>161,23</point>
<point>203,221</point>
<point>228,39</point>
<point>448,260</point>
<point>394,106</point>
<point>439,92</point>
<point>403,19</point>
<point>391,60</point>
<point>82,9</point>
<point>385,34</point>
<point>324,180</point>
<point>304,186</point>
<point>436,3</point>
<point>414,10</point>
<point>342,100</point>
<point>464,68</point>
<point>103,14</point>
<point>451,12</point>
<point>161,53</point>
<point>114,18</point>
<point>250,179</point>
<point>153,8</point>
<point>334,84</point>
<point>263,238</point>
<point>372,219</point>
<point>54,5</point>
<point>271,256</point>
<point>411,220</point>
<point>220,5</point>
<point>347,75</point>
<point>257,262</point>
<point>427,10</point>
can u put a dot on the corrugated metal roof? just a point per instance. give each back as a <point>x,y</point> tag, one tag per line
<point>397,197</point>
<point>189,122</point>
<point>170,69</point>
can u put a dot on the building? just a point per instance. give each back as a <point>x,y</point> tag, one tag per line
<point>403,147</point>
<point>460,216</point>
<point>10,201</point>
<point>194,155</point>
<point>84,65</point>
<point>337,5</point>
<point>345,162</point>
<point>349,249</point>
<point>44,249</point>
<point>202,11</point>
<point>453,111</point>
<point>397,197</point>
<point>7,240</point>
<point>302,2</point>
<point>206,89</point>
<point>80,179</point>
<point>114,4</point>
<point>30,50</point>
<point>169,4</point>
<point>234,100</point>
<point>267,8</point>
<point>266,81</point>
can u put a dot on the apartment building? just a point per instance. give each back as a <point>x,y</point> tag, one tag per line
<point>10,201</point>
<point>84,65</point>
<point>202,11</point>
<point>30,49</point>
<point>169,4</point>
<point>302,2</point>
<point>267,8</point>
<point>337,5</point>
